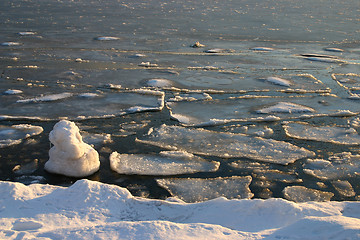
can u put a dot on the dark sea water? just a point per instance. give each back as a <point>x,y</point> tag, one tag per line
<point>69,59</point>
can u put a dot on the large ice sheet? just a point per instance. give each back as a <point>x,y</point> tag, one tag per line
<point>197,189</point>
<point>225,145</point>
<point>339,166</point>
<point>76,106</point>
<point>11,135</point>
<point>338,135</point>
<point>258,108</point>
<point>304,194</point>
<point>167,163</point>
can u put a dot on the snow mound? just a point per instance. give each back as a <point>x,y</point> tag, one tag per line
<point>70,156</point>
<point>93,210</point>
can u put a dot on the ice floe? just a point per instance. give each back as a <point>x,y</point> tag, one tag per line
<point>159,82</point>
<point>286,107</point>
<point>225,145</point>
<point>46,98</point>
<point>10,44</point>
<point>106,38</point>
<point>167,163</point>
<point>331,49</point>
<point>12,135</point>
<point>27,33</point>
<point>13,92</point>
<point>303,194</point>
<point>86,106</point>
<point>279,81</point>
<point>339,166</point>
<point>338,135</point>
<point>344,188</point>
<point>198,189</point>
<point>70,156</point>
<point>263,49</point>
<point>219,50</point>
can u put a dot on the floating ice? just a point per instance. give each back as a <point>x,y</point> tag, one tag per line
<point>27,168</point>
<point>197,45</point>
<point>26,33</point>
<point>324,59</point>
<point>340,166</point>
<point>279,81</point>
<point>105,38</point>
<point>12,92</point>
<point>264,49</point>
<point>344,188</point>
<point>10,44</point>
<point>286,107</point>
<point>197,189</point>
<point>148,64</point>
<point>219,50</point>
<point>88,95</point>
<point>330,49</point>
<point>70,156</point>
<point>104,105</point>
<point>338,135</point>
<point>178,97</point>
<point>47,98</point>
<point>172,163</point>
<point>159,82</point>
<point>276,175</point>
<point>303,194</point>
<point>11,135</point>
<point>225,145</point>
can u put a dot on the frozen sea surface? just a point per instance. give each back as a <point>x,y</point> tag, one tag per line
<point>264,89</point>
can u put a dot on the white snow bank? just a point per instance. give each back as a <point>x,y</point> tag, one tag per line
<point>70,156</point>
<point>93,210</point>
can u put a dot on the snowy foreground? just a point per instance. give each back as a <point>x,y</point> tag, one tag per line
<point>94,210</point>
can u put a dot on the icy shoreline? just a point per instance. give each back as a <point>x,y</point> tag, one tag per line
<point>89,210</point>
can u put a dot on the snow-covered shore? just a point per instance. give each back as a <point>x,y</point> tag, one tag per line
<point>94,210</point>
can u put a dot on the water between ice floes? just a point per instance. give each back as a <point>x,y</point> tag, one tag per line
<point>197,98</point>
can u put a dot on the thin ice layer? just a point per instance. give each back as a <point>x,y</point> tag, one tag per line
<point>11,135</point>
<point>304,194</point>
<point>225,145</point>
<point>257,108</point>
<point>197,189</point>
<point>338,135</point>
<point>165,164</point>
<point>340,166</point>
<point>77,107</point>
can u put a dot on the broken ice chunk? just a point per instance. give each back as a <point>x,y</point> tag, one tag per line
<point>286,107</point>
<point>11,135</point>
<point>338,135</point>
<point>168,163</point>
<point>27,168</point>
<point>344,188</point>
<point>279,81</point>
<point>340,166</point>
<point>159,82</point>
<point>106,38</point>
<point>276,175</point>
<point>47,98</point>
<point>197,189</point>
<point>303,194</point>
<point>225,145</point>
